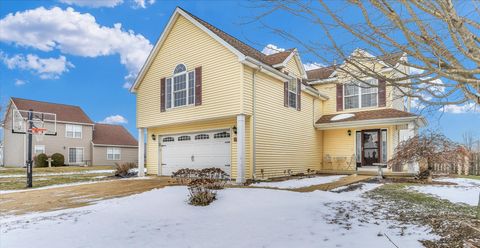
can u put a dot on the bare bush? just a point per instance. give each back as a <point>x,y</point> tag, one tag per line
<point>428,149</point>
<point>201,183</point>
<point>123,170</point>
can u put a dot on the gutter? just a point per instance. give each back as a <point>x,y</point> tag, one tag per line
<point>419,120</point>
<point>254,125</point>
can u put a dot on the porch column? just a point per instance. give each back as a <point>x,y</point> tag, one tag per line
<point>240,149</point>
<point>141,152</point>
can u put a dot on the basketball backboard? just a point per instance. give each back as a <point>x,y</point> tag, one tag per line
<point>38,120</point>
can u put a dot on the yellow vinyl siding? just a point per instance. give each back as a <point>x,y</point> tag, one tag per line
<point>337,143</point>
<point>285,137</point>
<point>221,77</point>
<point>153,152</point>
<point>292,67</point>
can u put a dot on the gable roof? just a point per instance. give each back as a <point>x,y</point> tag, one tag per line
<point>64,112</point>
<point>241,49</point>
<point>326,72</point>
<point>321,73</point>
<point>106,134</point>
<point>278,58</point>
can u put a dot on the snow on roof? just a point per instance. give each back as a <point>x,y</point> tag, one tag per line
<point>342,117</point>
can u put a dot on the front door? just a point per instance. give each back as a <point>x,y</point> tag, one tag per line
<point>370,147</point>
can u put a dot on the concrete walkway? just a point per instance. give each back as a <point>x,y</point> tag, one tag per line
<point>333,185</point>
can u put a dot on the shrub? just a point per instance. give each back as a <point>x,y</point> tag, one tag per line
<point>41,160</point>
<point>58,159</point>
<point>123,170</point>
<point>201,183</point>
<point>200,192</point>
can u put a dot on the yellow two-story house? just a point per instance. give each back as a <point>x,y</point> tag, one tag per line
<point>206,99</point>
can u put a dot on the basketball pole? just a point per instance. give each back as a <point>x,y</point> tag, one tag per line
<point>29,152</point>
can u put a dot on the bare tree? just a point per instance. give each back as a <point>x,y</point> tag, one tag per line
<point>439,40</point>
<point>469,140</point>
<point>428,149</point>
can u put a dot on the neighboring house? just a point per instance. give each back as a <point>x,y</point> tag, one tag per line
<point>206,99</point>
<point>79,139</point>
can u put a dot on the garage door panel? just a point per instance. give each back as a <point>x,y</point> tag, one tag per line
<point>201,151</point>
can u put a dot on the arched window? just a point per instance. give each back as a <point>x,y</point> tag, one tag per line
<point>184,138</point>
<point>168,139</point>
<point>179,69</point>
<point>221,135</point>
<point>180,88</point>
<point>201,136</point>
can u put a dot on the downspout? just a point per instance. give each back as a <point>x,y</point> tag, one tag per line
<point>254,123</point>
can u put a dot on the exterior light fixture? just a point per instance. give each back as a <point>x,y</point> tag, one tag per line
<point>349,132</point>
<point>234,129</point>
<point>154,137</point>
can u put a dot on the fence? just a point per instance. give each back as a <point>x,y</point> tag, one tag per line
<point>473,167</point>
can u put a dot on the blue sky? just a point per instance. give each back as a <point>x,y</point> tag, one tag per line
<point>93,58</point>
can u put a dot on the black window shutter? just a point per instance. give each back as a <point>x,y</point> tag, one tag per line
<point>339,97</point>
<point>198,86</point>
<point>299,94</point>
<point>162,95</point>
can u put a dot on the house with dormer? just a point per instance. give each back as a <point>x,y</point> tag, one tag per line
<point>206,99</point>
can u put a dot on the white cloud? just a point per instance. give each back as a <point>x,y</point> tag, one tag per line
<point>114,119</point>
<point>312,66</point>
<point>271,49</point>
<point>461,109</point>
<point>93,3</point>
<point>143,3</point>
<point>74,33</point>
<point>19,82</point>
<point>46,68</point>
<point>415,71</point>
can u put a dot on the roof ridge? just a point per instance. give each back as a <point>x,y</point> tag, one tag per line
<point>64,104</point>
<point>220,30</point>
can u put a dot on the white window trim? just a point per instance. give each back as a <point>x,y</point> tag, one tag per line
<point>172,91</point>
<point>360,94</point>
<point>36,148</point>
<point>83,155</point>
<point>73,137</point>
<point>113,157</point>
<point>295,92</point>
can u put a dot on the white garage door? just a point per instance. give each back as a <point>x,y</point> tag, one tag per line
<point>195,151</point>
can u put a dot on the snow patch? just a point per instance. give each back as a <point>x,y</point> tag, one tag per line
<point>342,117</point>
<point>299,183</point>
<point>162,218</point>
<point>466,191</point>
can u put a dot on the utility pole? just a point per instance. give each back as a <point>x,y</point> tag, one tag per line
<point>29,150</point>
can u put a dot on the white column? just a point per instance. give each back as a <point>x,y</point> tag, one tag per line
<point>141,152</point>
<point>240,149</point>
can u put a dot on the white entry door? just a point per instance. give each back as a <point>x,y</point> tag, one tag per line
<point>195,151</point>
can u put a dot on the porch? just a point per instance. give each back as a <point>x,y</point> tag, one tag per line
<point>360,142</point>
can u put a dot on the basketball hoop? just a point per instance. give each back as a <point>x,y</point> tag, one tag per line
<point>39,133</point>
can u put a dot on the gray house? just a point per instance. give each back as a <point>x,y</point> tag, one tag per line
<point>79,139</point>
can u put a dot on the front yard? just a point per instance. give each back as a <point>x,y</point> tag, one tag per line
<point>375,214</point>
<point>15,178</point>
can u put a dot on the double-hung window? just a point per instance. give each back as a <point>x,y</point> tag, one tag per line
<point>292,93</point>
<point>180,88</point>
<point>113,153</point>
<point>39,149</point>
<point>73,131</point>
<point>361,95</point>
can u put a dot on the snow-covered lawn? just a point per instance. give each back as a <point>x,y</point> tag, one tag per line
<point>466,191</point>
<point>299,183</point>
<point>240,217</point>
